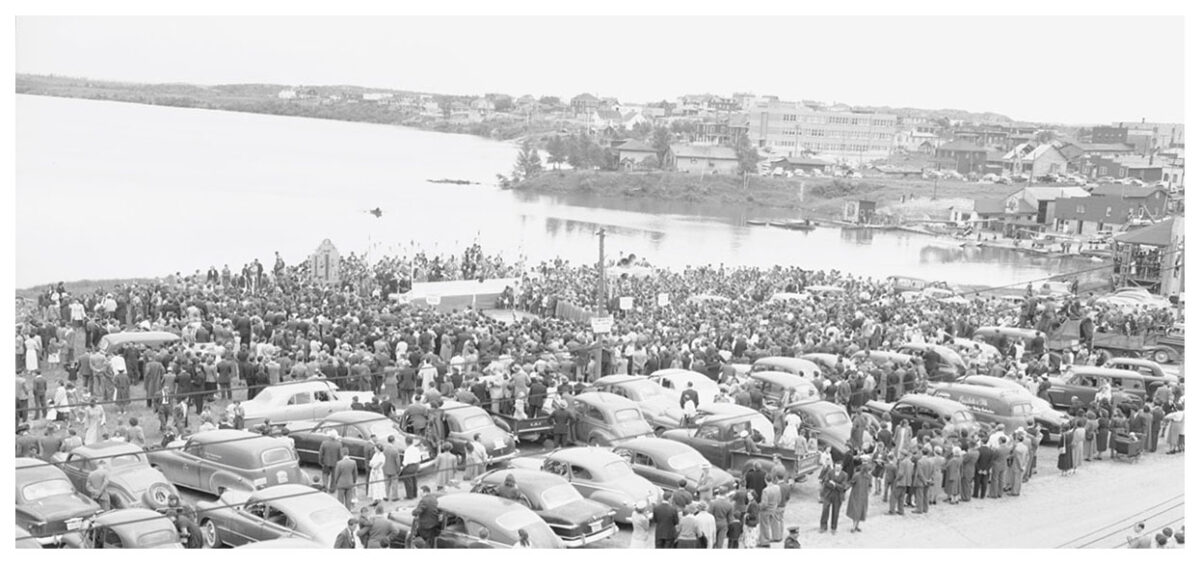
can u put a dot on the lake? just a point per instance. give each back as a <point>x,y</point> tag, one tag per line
<point>115,190</point>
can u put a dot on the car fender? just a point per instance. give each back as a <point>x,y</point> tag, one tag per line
<point>223,480</point>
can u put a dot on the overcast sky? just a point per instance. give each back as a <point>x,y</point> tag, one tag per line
<point>1068,70</point>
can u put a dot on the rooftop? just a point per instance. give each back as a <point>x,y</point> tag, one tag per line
<point>703,152</point>
<point>1158,234</point>
<point>962,145</point>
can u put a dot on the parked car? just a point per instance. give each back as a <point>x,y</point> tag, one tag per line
<point>1008,408</point>
<point>219,460</point>
<point>918,409</point>
<point>132,482</point>
<point>825,361</point>
<point>722,440</point>
<point>603,418</point>
<point>674,381</point>
<point>131,528</point>
<point>48,506</point>
<point>464,421</point>
<point>282,543</point>
<point>1083,382</point>
<point>658,406</point>
<point>793,365</point>
<point>282,511</point>
<point>879,357</point>
<point>773,385</point>
<point>720,410</point>
<point>1050,420</point>
<point>665,462</point>
<point>949,365</point>
<point>828,422</point>
<point>574,519</point>
<point>1144,366</point>
<point>25,540</point>
<point>299,400</point>
<point>598,474</point>
<point>464,514</point>
<point>358,431</point>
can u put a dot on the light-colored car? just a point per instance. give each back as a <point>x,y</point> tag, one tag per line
<point>464,421</point>
<point>48,506</point>
<point>1143,366</point>
<point>675,381</point>
<point>463,515</point>
<point>665,462</point>
<point>219,460</point>
<point>598,474</point>
<point>793,365</point>
<point>603,418</point>
<point>281,511</point>
<point>575,519</point>
<point>131,528</point>
<point>309,399</point>
<point>658,406</point>
<point>132,482</point>
<point>1046,416</point>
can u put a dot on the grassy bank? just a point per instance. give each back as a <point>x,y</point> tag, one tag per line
<point>823,196</point>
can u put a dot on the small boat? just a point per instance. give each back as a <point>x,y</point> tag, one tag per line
<point>758,222</point>
<point>801,225</point>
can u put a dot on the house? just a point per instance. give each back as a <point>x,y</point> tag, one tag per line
<point>1151,257</point>
<point>991,213</point>
<point>802,164</point>
<point>988,137</point>
<point>1106,149</point>
<point>287,94</point>
<point>1146,169</point>
<point>1096,213</point>
<point>963,156</point>
<point>1153,198</point>
<point>583,104</point>
<point>602,118</point>
<point>703,159</point>
<point>632,119</point>
<point>632,154</point>
<point>483,106</point>
<point>1028,209</point>
<point>859,211</point>
<point>1036,160</point>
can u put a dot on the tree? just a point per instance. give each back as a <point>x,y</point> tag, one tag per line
<point>576,151</point>
<point>643,130</point>
<point>747,155</point>
<point>661,143</point>
<point>502,102</point>
<point>550,101</point>
<point>529,163</point>
<point>1045,136</point>
<point>557,149</point>
<point>650,163</point>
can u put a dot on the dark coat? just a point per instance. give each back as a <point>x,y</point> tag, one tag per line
<point>330,452</point>
<point>665,518</point>
<point>345,474</point>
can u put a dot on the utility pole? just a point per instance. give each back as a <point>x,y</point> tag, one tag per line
<point>602,300</point>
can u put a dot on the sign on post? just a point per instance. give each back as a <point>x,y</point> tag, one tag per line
<point>626,303</point>
<point>664,299</point>
<point>602,324</point>
<point>433,299</point>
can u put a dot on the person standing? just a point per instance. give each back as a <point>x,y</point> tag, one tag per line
<point>93,421</point>
<point>771,528</point>
<point>953,473</point>
<point>328,454</point>
<point>427,517</point>
<point>750,521</point>
<point>832,488</point>
<point>860,494</point>
<point>983,470</point>
<point>923,479</point>
<point>1016,467</point>
<point>445,464</point>
<point>345,538</point>
<point>756,479</point>
<point>391,469</point>
<point>345,479</point>
<point>376,484</point>
<point>22,400</point>
<point>1156,421</point>
<point>122,384</point>
<point>723,514</point>
<point>904,481</point>
<point>643,536</point>
<point>1174,431</point>
<point>665,518</point>
<point>1000,459</point>
<point>412,464</point>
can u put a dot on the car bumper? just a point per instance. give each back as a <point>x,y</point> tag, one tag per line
<point>590,538</point>
<point>503,458</point>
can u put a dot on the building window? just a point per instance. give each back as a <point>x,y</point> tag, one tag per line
<point>1080,209</point>
<point>1108,212</point>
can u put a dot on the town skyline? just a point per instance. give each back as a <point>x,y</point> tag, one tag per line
<point>411,54</point>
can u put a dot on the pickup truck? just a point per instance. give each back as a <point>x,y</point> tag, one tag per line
<point>1159,348</point>
<point>720,441</point>
<point>527,429</point>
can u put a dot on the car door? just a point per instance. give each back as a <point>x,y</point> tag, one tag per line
<point>454,532</point>
<point>709,443</point>
<point>77,469</point>
<point>299,407</point>
<point>247,524</point>
<point>645,466</point>
<point>902,412</point>
<point>276,524</point>
<point>583,480</point>
<point>191,462</point>
<point>325,403</point>
<point>590,419</point>
<point>308,443</point>
<point>357,442</point>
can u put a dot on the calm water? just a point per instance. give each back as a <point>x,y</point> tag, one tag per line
<point>108,190</point>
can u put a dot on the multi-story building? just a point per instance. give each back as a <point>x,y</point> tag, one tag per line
<point>1146,136</point>
<point>793,129</point>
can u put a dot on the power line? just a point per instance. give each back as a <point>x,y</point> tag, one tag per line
<point>1107,526</point>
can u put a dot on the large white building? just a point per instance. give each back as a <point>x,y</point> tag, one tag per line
<point>793,129</point>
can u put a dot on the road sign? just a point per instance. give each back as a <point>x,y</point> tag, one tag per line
<point>602,324</point>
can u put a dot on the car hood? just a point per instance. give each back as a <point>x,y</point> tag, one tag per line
<point>60,507</point>
<point>136,480</point>
<point>489,436</point>
<point>574,513</point>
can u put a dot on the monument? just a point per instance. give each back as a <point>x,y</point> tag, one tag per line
<point>323,264</point>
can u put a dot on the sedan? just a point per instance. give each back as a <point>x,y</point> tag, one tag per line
<point>132,528</point>
<point>666,462</point>
<point>675,381</point>
<point>598,474</point>
<point>132,482</point>
<point>48,506</point>
<point>358,431</point>
<point>284,511</point>
<point>575,519</point>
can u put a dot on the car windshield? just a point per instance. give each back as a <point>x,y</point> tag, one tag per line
<point>617,469</point>
<point>627,415</point>
<point>644,389</point>
<point>329,515</point>
<point>559,495</point>
<point>157,538</point>
<point>46,489</point>
<point>686,461</point>
<point>476,421</point>
<point>278,455</point>
<point>836,419</point>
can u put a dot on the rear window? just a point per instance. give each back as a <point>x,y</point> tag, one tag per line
<point>627,415</point>
<point>962,416</point>
<point>559,495</point>
<point>157,538</point>
<point>46,489</point>
<point>476,421</point>
<point>686,461</point>
<point>127,460</point>
<point>836,419</point>
<point>277,455</point>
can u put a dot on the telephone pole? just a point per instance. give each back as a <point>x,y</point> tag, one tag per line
<point>602,300</point>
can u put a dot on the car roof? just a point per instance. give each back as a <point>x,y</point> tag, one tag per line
<point>108,448</point>
<point>979,390</point>
<point>1103,371</point>
<point>656,445</point>
<point>291,495</point>
<point>933,402</point>
<point>131,518</point>
<point>355,417</point>
<point>235,437</point>
<point>781,378</point>
<point>1133,361</point>
<point>819,406</point>
<point>606,399</point>
<point>990,381</point>
<point>792,362</point>
<point>524,477</point>
<point>38,468</point>
<point>585,456</point>
<point>478,506</point>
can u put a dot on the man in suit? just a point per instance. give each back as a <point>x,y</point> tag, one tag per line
<point>969,460</point>
<point>999,464</point>
<point>722,511</point>
<point>665,518</point>
<point>561,418</point>
<point>345,477</point>
<point>983,470</point>
<point>380,530</point>
<point>923,479</point>
<point>392,466</point>
<point>833,486</point>
<point>427,517</point>
<point>756,479</point>
<point>904,480</point>
<point>328,455</point>
<point>687,394</point>
<point>771,513</point>
<point>345,538</point>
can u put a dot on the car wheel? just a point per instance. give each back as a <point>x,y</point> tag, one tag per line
<point>211,537</point>
<point>1162,356</point>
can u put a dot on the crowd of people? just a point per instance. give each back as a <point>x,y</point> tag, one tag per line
<point>242,331</point>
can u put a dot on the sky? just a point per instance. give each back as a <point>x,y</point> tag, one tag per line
<point>1045,69</point>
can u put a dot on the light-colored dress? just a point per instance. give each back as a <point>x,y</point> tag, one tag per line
<point>643,535</point>
<point>376,487</point>
<point>474,465</point>
<point>93,421</point>
<point>445,464</point>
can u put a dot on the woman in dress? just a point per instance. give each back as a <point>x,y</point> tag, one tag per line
<point>860,493</point>
<point>1077,443</point>
<point>750,522</point>
<point>93,421</point>
<point>1065,448</point>
<point>643,534</point>
<point>445,463</point>
<point>376,485</point>
<point>1102,432</point>
<point>1174,431</point>
<point>474,463</point>
<point>939,464</point>
<point>953,473</point>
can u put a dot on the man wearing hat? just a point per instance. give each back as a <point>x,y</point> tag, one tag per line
<point>793,539</point>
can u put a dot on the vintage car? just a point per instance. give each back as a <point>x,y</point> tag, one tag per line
<point>25,540</point>
<point>675,381</point>
<point>131,528</point>
<point>658,406</point>
<point>949,364</point>
<point>355,429</point>
<point>1144,366</point>
<point>923,409</point>
<point>758,422</point>
<point>1009,409</point>
<point>574,519</point>
<point>792,365</point>
<point>132,482</point>
<point>774,385</point>
<point>826,361</point>
<point>282,511</point>
<point>879,358</point>
<point>48,506</point>
<point>217,460</point>
<point>664,462</point>
<point>1129,389</point>
<point>598,474</point>
<point>464,421</point>
<point>1051,421</point>
<point>722,440</point>
<point>826,421</point>
<point>603,418</point>
<point>464,514</point>
<point>299,400</point>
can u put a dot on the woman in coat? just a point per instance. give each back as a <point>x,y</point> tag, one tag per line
<point>376,486</point>
<point>860,493</point>
<point>1102,432</point>
<point>474,463</point>
<point>1066,448</point>
<point>936,489</point>
<point>643,533</point>
<point>1089,446</point>
<point>953,474</point>
<point>750,522</point>
<point>1174,431</point>
<point>445,463</point>
<point>1078,442</point>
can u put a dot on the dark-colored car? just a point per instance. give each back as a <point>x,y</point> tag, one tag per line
<point>917,409</point>
<point>827,421</point>
<point>1129,389</point>
<point>131,528</point>
<point>217,460</point>
<point>48,506</point>
<point>598,474</point>
<point>354,428</point>
<point>664,462</point>
<point>720,440</point>
<point>132,482</point>
<point>281,511</point>
<point>463,421</point>
<point>575,519</point>
<point>464,514</point>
